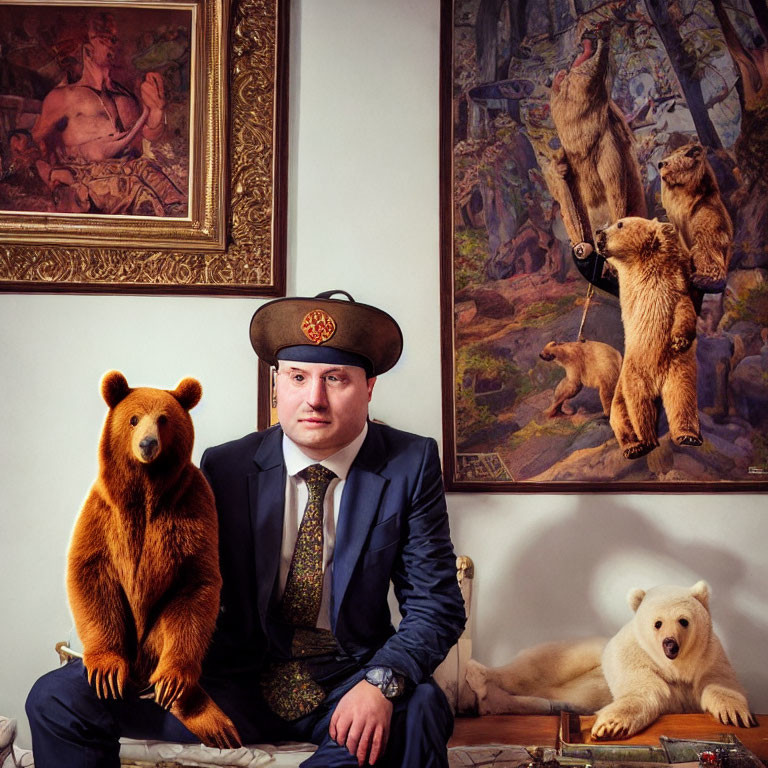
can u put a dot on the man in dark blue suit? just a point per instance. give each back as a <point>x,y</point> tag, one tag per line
<point>316,517</point>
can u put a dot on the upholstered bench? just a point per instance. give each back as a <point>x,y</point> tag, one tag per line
<point>141,754</point>
<point>12,756</point>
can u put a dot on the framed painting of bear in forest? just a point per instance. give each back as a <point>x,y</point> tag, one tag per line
<point>143,146</point>
<point>604,245</point>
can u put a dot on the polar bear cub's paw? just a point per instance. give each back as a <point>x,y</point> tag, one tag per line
<point>616,721</point>
<point>477,678</point>
<point>728,706</point>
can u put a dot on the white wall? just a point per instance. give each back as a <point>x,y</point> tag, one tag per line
<point>363,217</point>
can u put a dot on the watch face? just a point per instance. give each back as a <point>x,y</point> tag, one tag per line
<point>378,676</point>
<point>385,680</point>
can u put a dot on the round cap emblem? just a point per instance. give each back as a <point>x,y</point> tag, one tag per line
<point>318,326</point>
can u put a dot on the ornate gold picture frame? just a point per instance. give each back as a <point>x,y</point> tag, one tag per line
<point>545,373</point>
<point>196,206</point>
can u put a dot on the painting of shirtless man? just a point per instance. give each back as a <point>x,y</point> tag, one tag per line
<point>103,146</point>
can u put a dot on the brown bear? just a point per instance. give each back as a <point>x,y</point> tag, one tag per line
<point>659,321</point>
<point>598,159</point>
<point>143,572</point>
<point>691,197</point>
<point>587,364</point>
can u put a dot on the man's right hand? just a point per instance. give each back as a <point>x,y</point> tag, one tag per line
<point>361,722</point>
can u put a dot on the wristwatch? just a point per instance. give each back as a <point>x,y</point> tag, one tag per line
<point>384,678</point>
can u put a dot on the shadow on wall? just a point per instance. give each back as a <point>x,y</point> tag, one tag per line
<point>551,590</point>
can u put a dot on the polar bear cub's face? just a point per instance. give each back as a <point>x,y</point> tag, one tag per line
<point>672,624</point>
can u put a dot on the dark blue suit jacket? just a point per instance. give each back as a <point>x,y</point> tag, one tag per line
<point>392,525</point>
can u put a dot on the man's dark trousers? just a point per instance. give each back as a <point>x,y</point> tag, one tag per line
<point>73,728</point>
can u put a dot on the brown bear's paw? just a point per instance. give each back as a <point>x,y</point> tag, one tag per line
<point>680,344</point>
<point>214,730</point>
<point>171,683</point>
<point>107,673</point>
<point>691,439</point>
<point>638,450</point>
<point>708,283</point>
<point>729,707</point>
<point>200,714</point>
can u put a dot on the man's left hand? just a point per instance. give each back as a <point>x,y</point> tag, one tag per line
<point>361,722</point>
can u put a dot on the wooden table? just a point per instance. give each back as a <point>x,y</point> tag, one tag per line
<point>525,730</point>
<point>545,731</point>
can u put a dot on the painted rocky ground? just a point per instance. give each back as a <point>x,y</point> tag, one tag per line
<point>504,387</point>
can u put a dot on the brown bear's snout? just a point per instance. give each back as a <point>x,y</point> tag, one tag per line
<point>149,447</point>
<point>671,647</point>
<point>146,440</point>
<point>600,239</point>
<point>548,356</point>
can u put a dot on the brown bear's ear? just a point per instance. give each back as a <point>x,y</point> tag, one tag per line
<point>700,590</point>
<point>635,597</point>
<point>653,243</point>
<point>668,230</point>
<point>114,388</point>
<point>188,393</point>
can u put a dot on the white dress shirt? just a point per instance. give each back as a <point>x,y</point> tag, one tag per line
<point>296,494</point>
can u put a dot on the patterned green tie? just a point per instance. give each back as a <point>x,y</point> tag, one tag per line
<point>288,687</point>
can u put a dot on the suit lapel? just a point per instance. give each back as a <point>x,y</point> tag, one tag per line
<point>359,504</point>
<point>267,498</point>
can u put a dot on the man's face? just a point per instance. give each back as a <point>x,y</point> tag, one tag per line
<point>102,45</point>
<point>322,407</point>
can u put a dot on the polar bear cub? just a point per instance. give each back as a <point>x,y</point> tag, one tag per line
<point>666,659</point>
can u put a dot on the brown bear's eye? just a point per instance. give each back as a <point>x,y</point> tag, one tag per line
<point>619,225</point>
<point>657,625</point>
<point>134,420</point>
<point>683,622</point>
<point>162,419</point>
